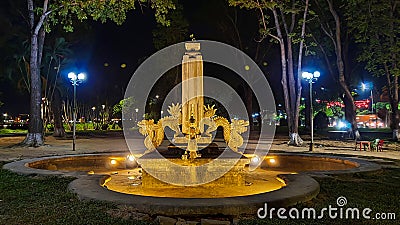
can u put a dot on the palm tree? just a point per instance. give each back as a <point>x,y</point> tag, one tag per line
<point>56,57</point>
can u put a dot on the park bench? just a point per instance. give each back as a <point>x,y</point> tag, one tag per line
<point>377,145</point>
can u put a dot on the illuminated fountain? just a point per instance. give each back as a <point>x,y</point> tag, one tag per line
<point>193,117</point>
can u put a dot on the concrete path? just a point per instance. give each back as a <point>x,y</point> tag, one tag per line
<point>117,144</point>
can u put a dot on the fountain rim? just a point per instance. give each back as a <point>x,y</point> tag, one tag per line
<point>22,166</point>
<point>301,187</point>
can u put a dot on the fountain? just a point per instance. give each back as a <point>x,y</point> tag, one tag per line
<point>193,116</point>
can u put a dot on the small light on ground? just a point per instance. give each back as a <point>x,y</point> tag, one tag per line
<point>131,158</point>
<point>255,160</point>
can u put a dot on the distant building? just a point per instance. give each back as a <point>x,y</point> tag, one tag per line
<point>369,121</point>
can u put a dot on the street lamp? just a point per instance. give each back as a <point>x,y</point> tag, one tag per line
<point>310,77</point>
<point>75,80</point>
<point>136,116</point>
<point>365,87</point>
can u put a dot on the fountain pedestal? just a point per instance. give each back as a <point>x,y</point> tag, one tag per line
<point>177,172</point>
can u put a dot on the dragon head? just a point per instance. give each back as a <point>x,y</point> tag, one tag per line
<point>209,111</point>
<point>174,110</point>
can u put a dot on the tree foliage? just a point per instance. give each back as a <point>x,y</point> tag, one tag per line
<point>65,12</point>
<point>376,26</point>
<point>284,22</point>
<point>44,15</point>
<point>332,35</point>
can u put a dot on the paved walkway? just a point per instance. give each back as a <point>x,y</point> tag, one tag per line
<point>117,144</point>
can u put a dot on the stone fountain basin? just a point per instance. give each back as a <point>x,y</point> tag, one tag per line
<point>293,169</point>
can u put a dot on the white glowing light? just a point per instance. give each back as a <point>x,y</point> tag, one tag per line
<point>255,160</point>
<point>131,158</point>
<point>113,161</point>
<point>72,76</point>
<point>341,124</point>
<point>81,76</point>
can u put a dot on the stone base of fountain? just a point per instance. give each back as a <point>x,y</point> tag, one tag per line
<point>210,151</point>
<point>159,172</point>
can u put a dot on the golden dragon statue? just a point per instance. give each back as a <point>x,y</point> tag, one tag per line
<point>154,132</point>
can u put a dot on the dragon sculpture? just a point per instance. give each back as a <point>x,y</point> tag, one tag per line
<point>154,132</point>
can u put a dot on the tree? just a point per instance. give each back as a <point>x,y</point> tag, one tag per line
<point>288,29</point>
<point>375,25</point>
<point>126,104</point>
<point>232,27</point>
<point>43,18</point>
<point>336,30</point>
<point>164,36</point>
<point>56,56</point>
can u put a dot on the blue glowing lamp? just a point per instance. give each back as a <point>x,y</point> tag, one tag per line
<point>72,76</point>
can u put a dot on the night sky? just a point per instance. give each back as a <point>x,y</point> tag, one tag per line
<point>96,44</point>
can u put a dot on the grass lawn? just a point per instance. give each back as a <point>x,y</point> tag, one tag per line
<point>12,131</point>
<point>379,191</point>
<point>45,200</point>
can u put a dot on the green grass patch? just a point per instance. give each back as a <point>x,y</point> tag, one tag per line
<point>12,131</point>
<point>45,200</point>
<point>92,126</point>
<point>378,191</point>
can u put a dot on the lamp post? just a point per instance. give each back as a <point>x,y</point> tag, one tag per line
<point>103,117</point>
<point>75,80</point>
<point>136,116</point>
<point>364,87</point>
<point>310,77</point>
<point>93,115</point>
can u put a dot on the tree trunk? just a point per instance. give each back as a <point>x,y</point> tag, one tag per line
<point>394,86</point>
<point>289,88</point>
<point>395,119</point>
<point>299,68</point>
<point>59,130</point>
<point>35,132</point>
<point>350,115</point>
<point>249,104</point>
<point>349,103</point>
<point>394,104</point>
